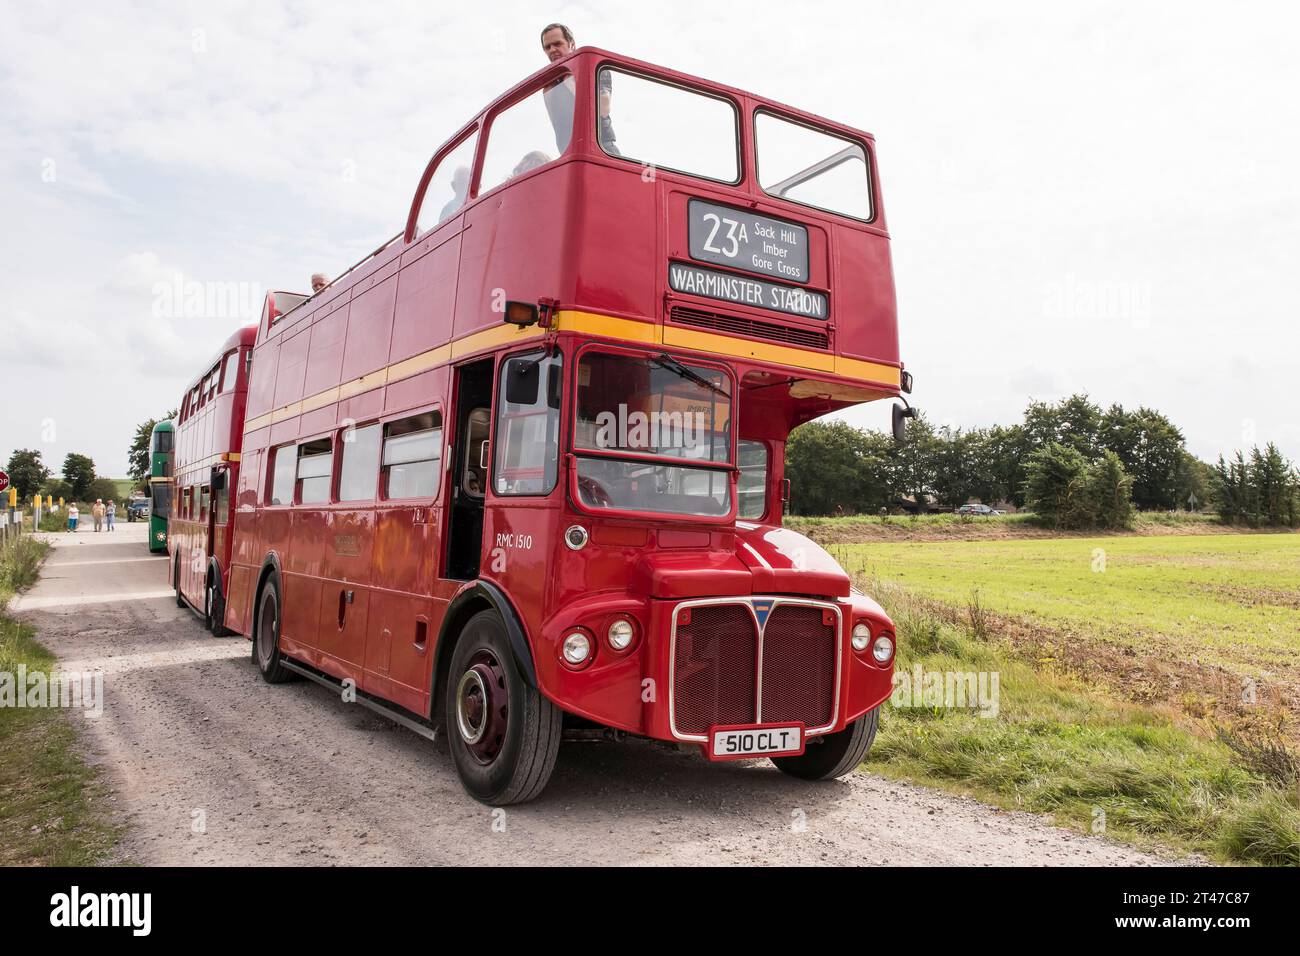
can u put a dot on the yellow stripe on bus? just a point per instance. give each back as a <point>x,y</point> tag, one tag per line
<point>590,323</point>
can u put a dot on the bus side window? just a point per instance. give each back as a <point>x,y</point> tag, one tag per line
<point>230,371</point>
<point>411,456</point>
<point>359,467</point>
<point>284,467</point>
<point>315,469</point>
<point>751,488</point>
<point>204,497</point>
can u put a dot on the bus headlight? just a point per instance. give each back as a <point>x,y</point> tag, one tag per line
<point>861,637</point>
<point>883,649</point>
<point>576,648</point>
<point>620,634</point>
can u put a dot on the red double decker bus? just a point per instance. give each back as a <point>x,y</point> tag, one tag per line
<point>518,475</point>
<point>209,435</point>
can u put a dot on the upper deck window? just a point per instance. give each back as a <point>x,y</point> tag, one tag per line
<point>230,371</point>
<point>667,126</point>
<point>810,167</point>
<point>529,134</point>
<point>448,186</point>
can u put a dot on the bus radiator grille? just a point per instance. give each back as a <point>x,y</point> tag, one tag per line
<point>798,667</point>
<point>713,668</point>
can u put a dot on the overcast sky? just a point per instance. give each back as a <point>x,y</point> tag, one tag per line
<point>1097,197</point>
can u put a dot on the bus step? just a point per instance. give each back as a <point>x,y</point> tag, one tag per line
<point>410,723</point>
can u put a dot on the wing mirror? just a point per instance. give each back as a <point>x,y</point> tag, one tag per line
<point>901,414</point>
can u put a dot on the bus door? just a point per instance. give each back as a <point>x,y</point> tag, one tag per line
<point>469,470</point>
<point>218,510</point>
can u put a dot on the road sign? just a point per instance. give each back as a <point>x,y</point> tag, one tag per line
<point>4,481</point>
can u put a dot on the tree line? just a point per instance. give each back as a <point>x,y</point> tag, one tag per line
<point>1072,462</point>
<point>77,480</point>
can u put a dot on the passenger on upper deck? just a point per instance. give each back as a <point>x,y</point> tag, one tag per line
<point>530,161</point>
<point>319,280</point>
<point>557,42</point>
<point>459,190</point>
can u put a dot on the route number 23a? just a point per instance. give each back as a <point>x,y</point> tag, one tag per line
<point>736,234</point>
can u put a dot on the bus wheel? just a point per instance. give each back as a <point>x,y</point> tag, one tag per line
<point>266,637</point>
<point>176,579</point>
<point>214,610</point>
<point>503,734</point>
<point>833,755</point>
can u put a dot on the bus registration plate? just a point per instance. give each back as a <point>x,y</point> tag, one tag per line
<point>761,740</point>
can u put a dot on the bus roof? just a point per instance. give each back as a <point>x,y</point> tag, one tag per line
<point>245,336</point>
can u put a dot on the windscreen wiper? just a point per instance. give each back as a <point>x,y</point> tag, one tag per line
<point>664,360</point>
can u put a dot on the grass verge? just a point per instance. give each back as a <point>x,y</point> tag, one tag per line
<point>49,798</point>
<point>1062,747</point>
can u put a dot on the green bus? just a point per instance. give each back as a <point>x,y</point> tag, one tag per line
<point>160,484</point>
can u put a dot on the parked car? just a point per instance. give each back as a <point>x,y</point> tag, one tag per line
<point>975,510</point>
<point>137,509</point>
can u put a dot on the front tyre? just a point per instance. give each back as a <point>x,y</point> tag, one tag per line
<point>266,636</point>
<point>502,733</point>
<point>833,755</point>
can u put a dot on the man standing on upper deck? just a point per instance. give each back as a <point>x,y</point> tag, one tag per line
<point>557,42</point>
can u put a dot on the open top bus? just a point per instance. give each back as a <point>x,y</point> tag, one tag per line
<point>518,474</point>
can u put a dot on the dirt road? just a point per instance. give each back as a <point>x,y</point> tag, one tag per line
<point>211,765</point>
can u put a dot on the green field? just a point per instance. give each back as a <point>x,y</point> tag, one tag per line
<point>1231,601</point>
<point>1122,664</point>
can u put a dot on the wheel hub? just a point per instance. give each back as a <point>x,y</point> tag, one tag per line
<point>482,709</point>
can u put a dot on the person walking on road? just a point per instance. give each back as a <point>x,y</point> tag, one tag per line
<point>72,517</point>
<point>97,512</point>
<point>109,512</point>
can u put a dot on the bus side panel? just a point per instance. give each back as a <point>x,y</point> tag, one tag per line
<point>866,320</point>
<point>624,283</point>
<point>348,535</point>
<point>402,630</point>
<point>261,384</point>
<point>516,246</point>
<point>517,534</point>
<point>292,369</point>
<point>426,295</point>
<point>302,567</point>
<point>405,564</point>
<point>325,354</point>
<point>370,328</point>
<point>238,596</point>
<point>341,628</point>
